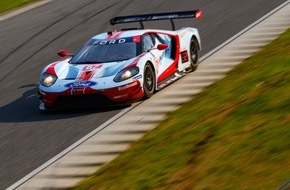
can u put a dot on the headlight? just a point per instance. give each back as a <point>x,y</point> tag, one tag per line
<point>126,73</point>
<point>47,79</point>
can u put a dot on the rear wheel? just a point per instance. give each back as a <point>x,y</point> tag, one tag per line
<point>193,54</point>
<point>149,81</point>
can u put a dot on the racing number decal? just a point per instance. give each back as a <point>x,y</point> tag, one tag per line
<point>92,67</point>
<point>88,72</point>
<point>184,56</point>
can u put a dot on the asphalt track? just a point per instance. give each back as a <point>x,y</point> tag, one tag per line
<point>29,41</point>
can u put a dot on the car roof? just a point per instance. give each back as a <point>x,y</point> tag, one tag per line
<point>128,33</point>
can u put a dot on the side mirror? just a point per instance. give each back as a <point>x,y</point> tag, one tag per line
<point>162,46</point>
<point>64,53</point>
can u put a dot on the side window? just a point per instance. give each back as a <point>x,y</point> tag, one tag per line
<point>147,42</point>
<point>170,41</point>
<point>166,39</point>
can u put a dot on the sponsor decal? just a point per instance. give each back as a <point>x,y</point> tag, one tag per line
<point>78,90</point>
<point>120,96</point>
<point>127,86</point>
<point>183,33</point>
<point>80,84</point>
<point>116,40</point>
<point>156,63</point>
<point>137,77</point>
<point>184,56</point>
<point>109,42</point>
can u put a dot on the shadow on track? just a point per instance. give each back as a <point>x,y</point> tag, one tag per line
<point>25,109</point>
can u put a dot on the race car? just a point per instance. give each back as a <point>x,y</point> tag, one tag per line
<point>121,67</point>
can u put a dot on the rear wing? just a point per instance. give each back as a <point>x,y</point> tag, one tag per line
<point>158,16</point>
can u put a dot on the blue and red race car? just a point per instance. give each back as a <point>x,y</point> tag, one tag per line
<point>121,67</point>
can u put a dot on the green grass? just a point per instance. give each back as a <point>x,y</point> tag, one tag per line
<point>6,5</point>
<point>234,135</point>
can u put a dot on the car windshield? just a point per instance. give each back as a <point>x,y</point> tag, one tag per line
<point>105,51</point>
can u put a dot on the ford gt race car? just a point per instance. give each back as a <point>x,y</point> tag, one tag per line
<point>123,66</point>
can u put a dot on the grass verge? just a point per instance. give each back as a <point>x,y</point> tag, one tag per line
<point>7,5</point>
<point>234,135</point>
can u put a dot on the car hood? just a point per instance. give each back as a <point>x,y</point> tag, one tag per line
<point>66,71</point>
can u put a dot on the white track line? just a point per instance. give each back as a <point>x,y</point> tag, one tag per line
<point>243,31</point>
<point>23,9</point>
<point>70,148</point>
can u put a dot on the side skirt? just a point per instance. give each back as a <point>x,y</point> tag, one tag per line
<point>169,80</point>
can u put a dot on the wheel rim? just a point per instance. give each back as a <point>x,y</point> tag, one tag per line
<point>148,79</point>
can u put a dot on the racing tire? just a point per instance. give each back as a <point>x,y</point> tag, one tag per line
<point>149,81</point>
<point>193,54</point>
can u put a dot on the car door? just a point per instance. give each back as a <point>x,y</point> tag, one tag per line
<point>163,60</point>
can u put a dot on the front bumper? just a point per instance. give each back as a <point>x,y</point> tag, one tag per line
<point>88,97</point>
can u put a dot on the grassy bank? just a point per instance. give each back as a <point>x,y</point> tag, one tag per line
<point>7,5</point>
<point>235,135</point>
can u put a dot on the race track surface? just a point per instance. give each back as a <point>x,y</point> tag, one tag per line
<point>29,41</point>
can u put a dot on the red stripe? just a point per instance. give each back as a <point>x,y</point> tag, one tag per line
<point>136,39</point>
<point>115,35</point>
<point>86,75</point>
<point>173,67</point>
<point>88,72</point>
<point>135,61</point>
<point>51,69</point>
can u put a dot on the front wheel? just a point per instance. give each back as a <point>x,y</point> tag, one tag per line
<point>193,54</point>
<point>149,81</point>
